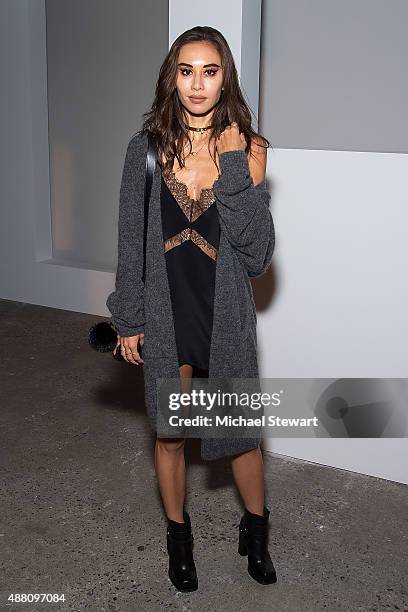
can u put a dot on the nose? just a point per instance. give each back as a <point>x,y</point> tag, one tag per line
<point>197,82</point>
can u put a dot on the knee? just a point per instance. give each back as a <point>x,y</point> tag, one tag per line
<point>170,445</point>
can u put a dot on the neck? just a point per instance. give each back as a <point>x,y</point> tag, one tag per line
<point>198,121</point>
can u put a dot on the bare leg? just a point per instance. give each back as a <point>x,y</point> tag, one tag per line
<point>170,464</point>
<point>248,472</point>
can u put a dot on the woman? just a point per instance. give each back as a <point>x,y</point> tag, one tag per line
<point>209,230</point>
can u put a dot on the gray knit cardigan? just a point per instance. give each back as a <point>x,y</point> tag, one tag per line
<point>247,242</point>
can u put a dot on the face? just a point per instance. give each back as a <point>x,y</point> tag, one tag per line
<point>199,75</point>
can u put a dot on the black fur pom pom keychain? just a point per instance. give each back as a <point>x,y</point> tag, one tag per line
<point>103,337</point>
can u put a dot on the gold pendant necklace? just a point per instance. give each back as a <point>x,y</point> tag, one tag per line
<point>196,152</point>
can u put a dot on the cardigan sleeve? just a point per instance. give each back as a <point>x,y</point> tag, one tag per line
<point>244,212</point>
<point>126,302</point>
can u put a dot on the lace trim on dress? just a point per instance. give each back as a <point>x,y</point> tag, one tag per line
<point>177,239</point>
<point>190,207</point>
<point>191,234</point>
<point>204,245</point>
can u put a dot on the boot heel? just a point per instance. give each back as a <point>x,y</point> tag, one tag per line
<point>180,542</point>
<point>253,538</point>
<point>242,549</point>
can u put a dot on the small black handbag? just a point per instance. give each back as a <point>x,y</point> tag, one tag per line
<point>103,336</point>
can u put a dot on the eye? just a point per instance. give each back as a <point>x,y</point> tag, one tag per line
<point>183,70</point>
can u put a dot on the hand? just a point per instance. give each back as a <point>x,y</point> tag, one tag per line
<point>231,139</point>
<point>128,348</point>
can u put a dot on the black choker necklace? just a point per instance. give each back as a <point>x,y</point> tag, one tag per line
<point>196,129</point>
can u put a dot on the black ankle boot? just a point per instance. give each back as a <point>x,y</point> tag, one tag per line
<point>182,570</point>
<point>253,541</point>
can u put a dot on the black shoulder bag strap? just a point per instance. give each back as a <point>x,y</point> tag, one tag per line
<point>150,168</point>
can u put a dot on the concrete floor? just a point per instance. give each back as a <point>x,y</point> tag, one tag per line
<point>81,513</point>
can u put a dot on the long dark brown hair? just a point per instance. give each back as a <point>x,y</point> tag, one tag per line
<point>165,119</point>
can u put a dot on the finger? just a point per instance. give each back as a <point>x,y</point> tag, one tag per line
<point>139,342</point>
<point>126,350</point>
<point>123,351</point>
<point>136,357</point>
<point>130,352</point>
<point>117,344</point>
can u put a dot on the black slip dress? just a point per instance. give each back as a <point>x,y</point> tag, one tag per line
<point>191,234</point>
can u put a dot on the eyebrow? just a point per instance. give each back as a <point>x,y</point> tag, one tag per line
<point>191,66</point>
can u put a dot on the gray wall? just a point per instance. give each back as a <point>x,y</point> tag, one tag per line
<point>333,99</point>
<point>102,70</point>
<point>334,74</point>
